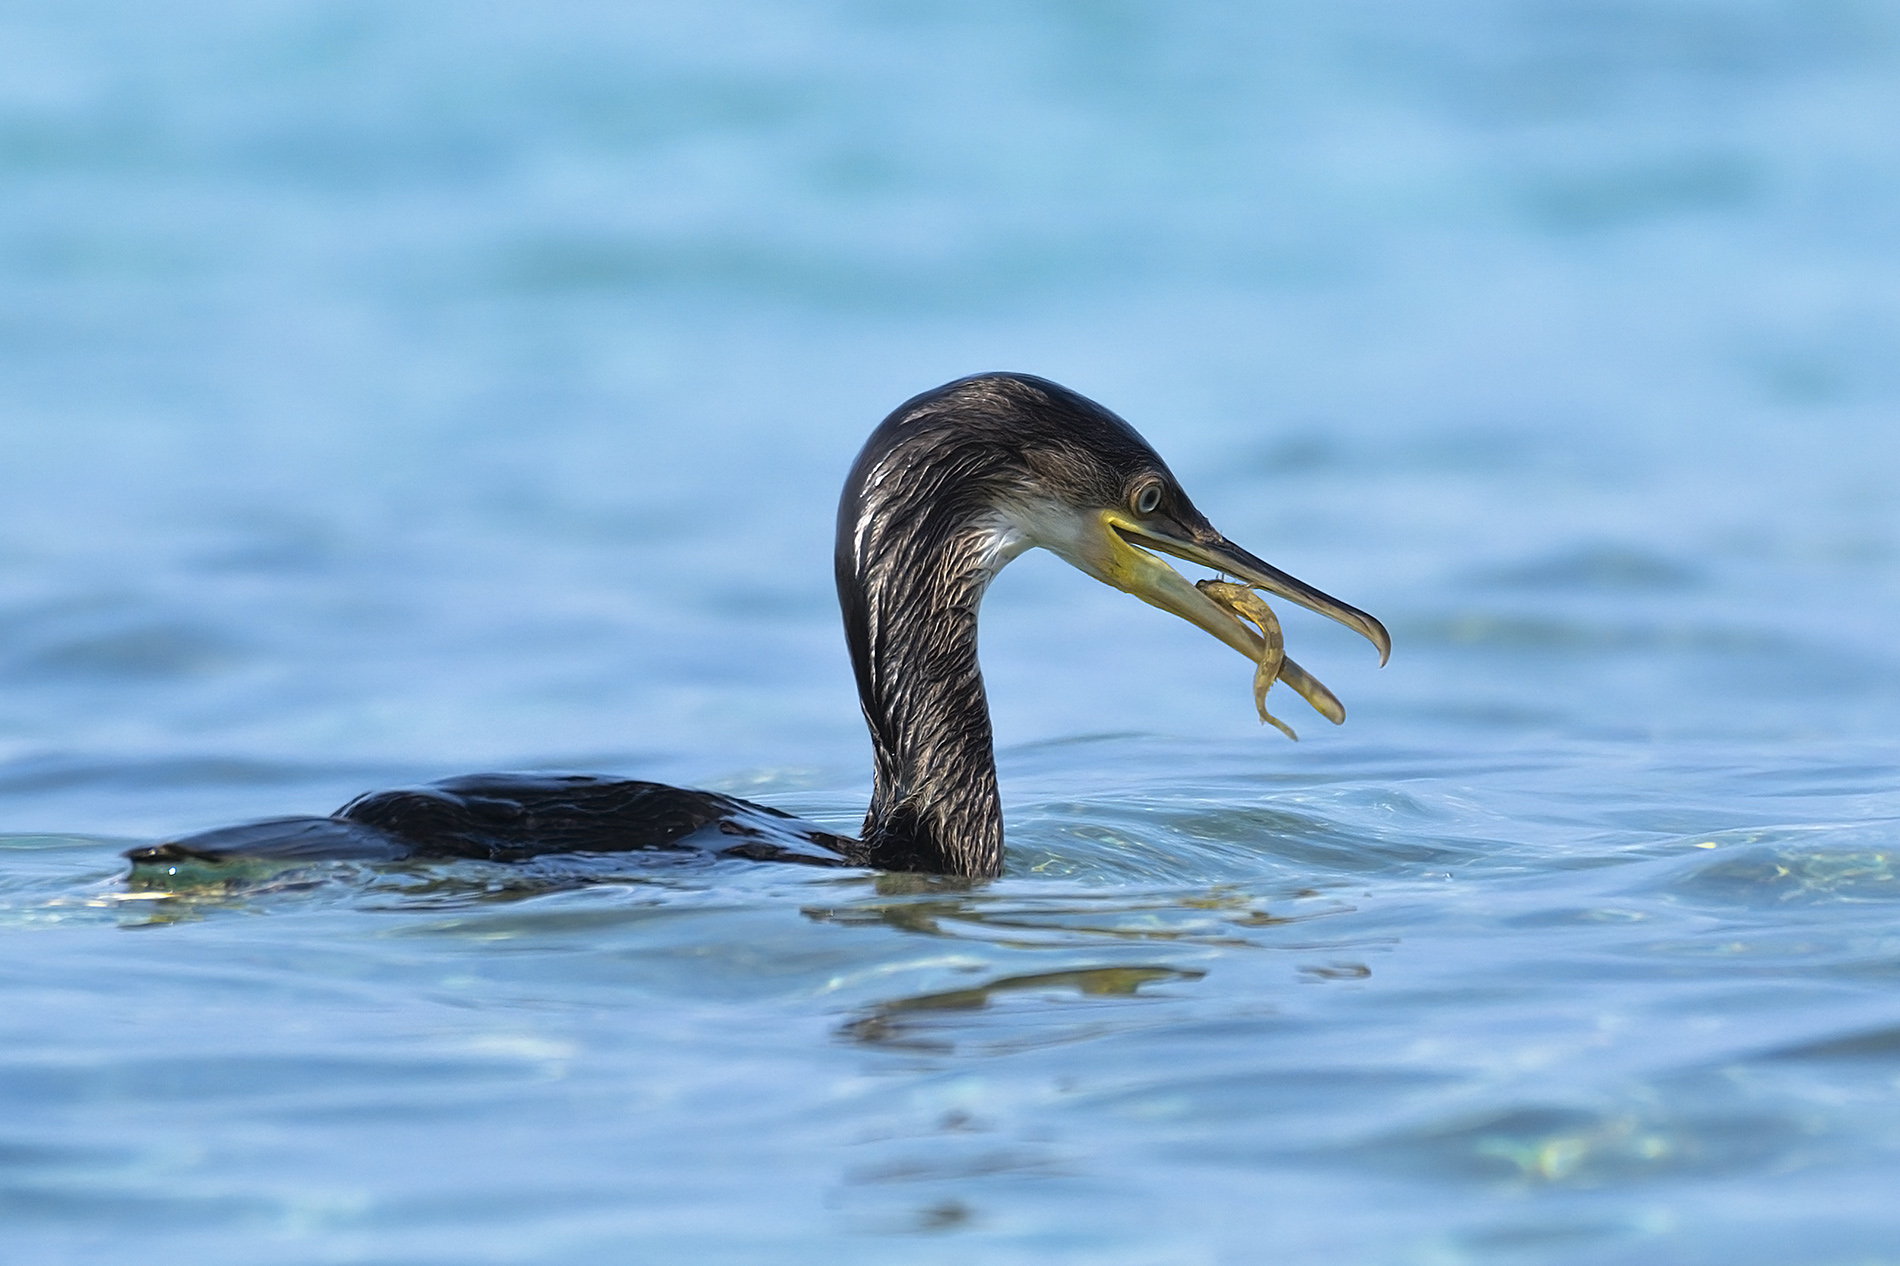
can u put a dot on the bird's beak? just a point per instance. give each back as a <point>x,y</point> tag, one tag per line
<point>1116,551</point>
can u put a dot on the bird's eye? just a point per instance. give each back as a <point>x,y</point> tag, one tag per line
<point>1148,499</point>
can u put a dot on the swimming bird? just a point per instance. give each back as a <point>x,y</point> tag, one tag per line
<point>948,489</point>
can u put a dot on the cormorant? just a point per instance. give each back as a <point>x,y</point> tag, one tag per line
<point>949,488</point>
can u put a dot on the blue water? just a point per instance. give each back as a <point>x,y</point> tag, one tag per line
<point>389,392</point>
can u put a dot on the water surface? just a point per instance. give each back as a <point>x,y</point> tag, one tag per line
<point>388,395</point>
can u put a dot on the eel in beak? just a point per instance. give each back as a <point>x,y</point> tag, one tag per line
<point>1120,548</point>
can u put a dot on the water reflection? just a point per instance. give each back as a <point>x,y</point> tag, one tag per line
<point>1542,1146</point>
<point>920,1022</point>
<point>1792,868</point>
<point>192,891</point>
<point>1024,919</point>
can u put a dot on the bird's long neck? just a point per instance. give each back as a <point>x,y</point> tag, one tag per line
<point>914,557</point>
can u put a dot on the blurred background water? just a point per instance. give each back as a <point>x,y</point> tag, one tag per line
<point>388,392</point>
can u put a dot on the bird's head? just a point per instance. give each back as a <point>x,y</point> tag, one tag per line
<point>1021,462</point>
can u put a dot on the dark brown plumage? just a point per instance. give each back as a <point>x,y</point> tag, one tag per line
<point>949,488</point>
